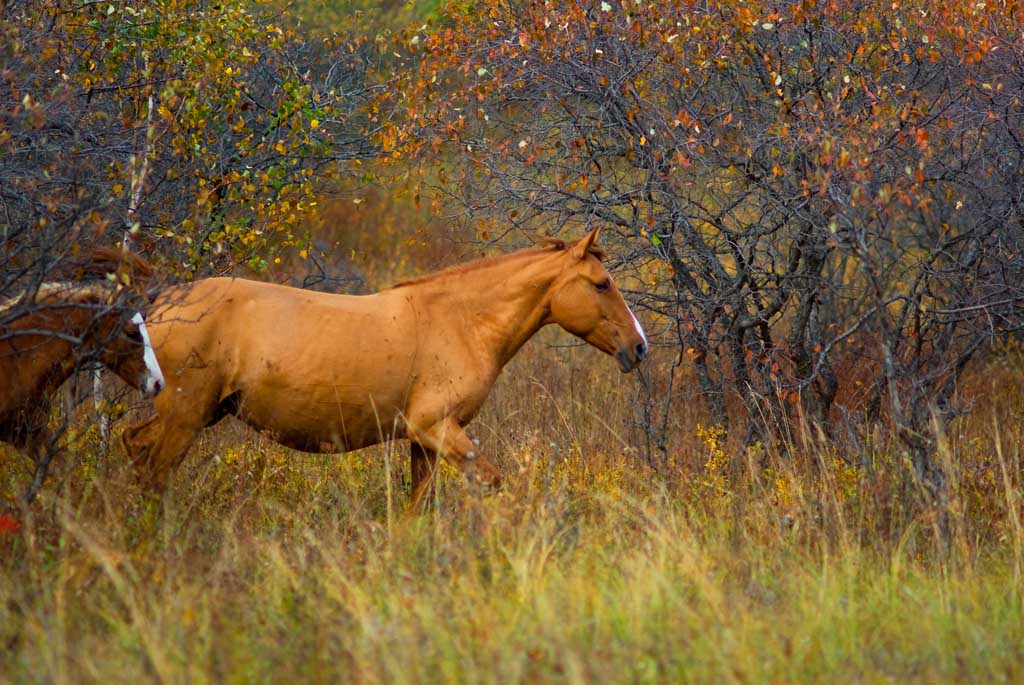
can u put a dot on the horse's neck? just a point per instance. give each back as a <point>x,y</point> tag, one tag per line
<point>504,304</point>
<point>51,355</point>
<point>41,365</point>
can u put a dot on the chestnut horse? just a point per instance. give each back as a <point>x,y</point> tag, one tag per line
<point>43,338</point>
<point>321,372</point>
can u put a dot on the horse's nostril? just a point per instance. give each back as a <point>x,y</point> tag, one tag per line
<point>641,350</point>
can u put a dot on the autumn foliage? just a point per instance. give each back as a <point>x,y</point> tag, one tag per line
<point>794,185</point>
<point>816,208</point>
<point>794,190</point>
<point>193,126</point>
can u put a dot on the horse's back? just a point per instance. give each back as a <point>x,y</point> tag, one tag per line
<point>311,367</point>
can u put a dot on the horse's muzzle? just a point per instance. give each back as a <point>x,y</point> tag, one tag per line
<point>630,357</point>
<point>151,386</point>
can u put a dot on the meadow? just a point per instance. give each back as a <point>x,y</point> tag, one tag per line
<point>819,198</point>
<point>786,564</point>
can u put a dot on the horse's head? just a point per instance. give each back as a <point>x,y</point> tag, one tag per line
<point>122,344</point>
<point>586,302</point>
<point>125,349</point>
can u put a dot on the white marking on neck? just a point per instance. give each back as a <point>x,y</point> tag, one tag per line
<point>156,376</point>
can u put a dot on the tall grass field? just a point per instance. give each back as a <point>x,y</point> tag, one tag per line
<point>792,563</point>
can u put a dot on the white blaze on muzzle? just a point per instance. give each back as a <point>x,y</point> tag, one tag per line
<point>637,326</point>
<point>155,381</point>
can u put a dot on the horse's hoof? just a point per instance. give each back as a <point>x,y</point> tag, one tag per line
<point>492,486</point>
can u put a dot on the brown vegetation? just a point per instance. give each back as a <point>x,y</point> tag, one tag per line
<point>815,477</point>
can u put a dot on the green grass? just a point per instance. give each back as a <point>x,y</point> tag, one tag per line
<point>263,565</point>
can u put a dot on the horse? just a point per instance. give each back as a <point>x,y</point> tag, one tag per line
<point>44,335</point>
<point>321,372</point>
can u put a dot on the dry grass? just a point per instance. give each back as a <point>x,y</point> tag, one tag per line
<point>270,566</point>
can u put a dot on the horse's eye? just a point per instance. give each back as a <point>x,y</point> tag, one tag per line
<point>134,336</point>
<point>603,286</point>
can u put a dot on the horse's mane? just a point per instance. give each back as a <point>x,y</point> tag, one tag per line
<point>543,245</point>
<point>61,291</point>
<point>86,279</point>
<point>111,260</point>
<point>559,244</point>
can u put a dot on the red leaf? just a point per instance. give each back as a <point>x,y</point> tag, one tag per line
<point>9,525</point>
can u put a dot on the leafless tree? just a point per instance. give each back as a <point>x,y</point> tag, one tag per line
<point>789,188</point>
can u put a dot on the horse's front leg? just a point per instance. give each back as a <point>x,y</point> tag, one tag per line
<point>447,439</point>
<point>422,467</point>
<point>41,447</point>
<point>157,445</point>
<point>41,450</point>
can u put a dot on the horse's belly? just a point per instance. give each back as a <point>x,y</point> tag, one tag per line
<point>310,423</point>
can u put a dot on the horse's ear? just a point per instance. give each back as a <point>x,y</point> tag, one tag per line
<point>583,247</point>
